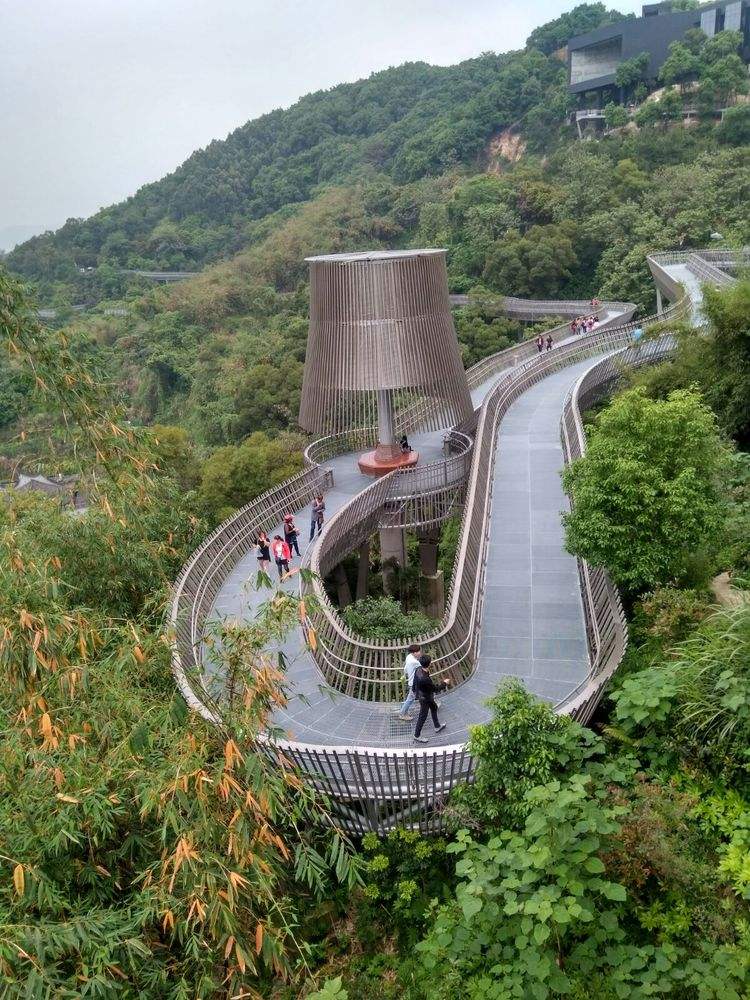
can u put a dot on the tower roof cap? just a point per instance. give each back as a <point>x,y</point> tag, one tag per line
<point>370,255</point>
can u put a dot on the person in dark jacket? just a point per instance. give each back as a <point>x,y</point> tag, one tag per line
<point>425,689</point>
<point>316,515</point>
<point>290,534</point>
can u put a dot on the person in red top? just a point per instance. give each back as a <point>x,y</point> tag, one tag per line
<point>281,553</point>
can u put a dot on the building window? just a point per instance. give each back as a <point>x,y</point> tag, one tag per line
<point>594,61</point>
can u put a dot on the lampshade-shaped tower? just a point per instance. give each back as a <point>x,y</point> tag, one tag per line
<point>382,350</point>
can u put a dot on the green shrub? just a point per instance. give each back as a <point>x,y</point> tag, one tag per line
<point>698,701</point>
<point>526,744</point>
<point>384,618</point>
<point>403,872</point>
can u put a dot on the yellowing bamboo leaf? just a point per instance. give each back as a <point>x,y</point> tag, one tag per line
<point>228,949</point>
<point>240,958</point>
<point>312,639</point>
<point>18,880</point>
<point>139,654</point>
<point>237,880</point>
<point>68,798</point>
<point>258,938</point>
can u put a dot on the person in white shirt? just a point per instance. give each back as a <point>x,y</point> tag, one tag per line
<point>410,668</point>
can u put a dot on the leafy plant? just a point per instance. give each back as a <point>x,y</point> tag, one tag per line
<point>526,744</point>
<point>649,492</point>
<point>384,618</point>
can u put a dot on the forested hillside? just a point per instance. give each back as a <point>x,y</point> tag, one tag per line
<point>147,855</point>
<point>406,122</point>
<point>416,155</point>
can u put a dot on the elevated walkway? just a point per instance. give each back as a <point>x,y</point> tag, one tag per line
<point>519,606</point>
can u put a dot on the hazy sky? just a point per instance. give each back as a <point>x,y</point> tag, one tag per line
<point>97,97</point>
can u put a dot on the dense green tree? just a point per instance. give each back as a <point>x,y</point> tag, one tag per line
<point>526,744</point>
<point>631,72</point>
<point>615,115</point>
<point>536,264</point>
<point>726,77</point>
<point>648,496</point>
<point>734,129</point>
<point>680,65</point>
<point>236,474</point>
<point>584,17</point>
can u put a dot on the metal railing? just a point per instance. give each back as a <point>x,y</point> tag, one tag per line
<point>606,627</point>
<point>371,669</point>
<point>372,788</point>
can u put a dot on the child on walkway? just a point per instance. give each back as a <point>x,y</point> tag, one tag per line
<point>281,554</point>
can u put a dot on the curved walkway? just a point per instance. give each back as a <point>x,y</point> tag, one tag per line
<point>533,625</point>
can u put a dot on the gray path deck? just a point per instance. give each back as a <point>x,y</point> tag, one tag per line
<point>532,625</point>
<point>683,274</point>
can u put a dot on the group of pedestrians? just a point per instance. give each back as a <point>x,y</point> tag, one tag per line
<point>584,324</point>
<point>282,548</point>
<point>542,344</point>
<point>421,688</point>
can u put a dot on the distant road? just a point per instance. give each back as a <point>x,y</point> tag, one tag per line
<point>163,277</point>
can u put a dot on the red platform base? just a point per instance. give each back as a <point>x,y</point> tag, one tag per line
<point>374,464</point>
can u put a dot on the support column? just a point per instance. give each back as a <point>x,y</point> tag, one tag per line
<point>659,304</point>
<point>343,591</point>
<point>428,552</point>
<point>431,585</point>
<point>386,433</point>
<point>392,550</point>
<point>363,570</point>
<point>387,456</point>
<point>433,594</point>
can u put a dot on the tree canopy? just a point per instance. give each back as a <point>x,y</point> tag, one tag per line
<point>648,496</point>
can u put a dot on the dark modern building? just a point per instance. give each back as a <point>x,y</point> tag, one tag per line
<point>593,58</point>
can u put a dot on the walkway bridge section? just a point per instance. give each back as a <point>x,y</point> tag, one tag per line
<point>518,605</point>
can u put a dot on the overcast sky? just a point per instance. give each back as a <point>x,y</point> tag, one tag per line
<point>97,97</point>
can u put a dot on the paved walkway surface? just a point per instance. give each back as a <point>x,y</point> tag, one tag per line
<point>681,273</point>
<point>532,624</point>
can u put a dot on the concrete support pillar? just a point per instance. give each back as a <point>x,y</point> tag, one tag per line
<point>363,570</point>
<point>386,434</point>
<point>428,552</point>
<point>659,303</point>
<point>392,550</point>
<point>433,594</point>
<point>343,591</point>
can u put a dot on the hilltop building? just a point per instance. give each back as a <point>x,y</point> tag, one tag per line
<point>593,58</point>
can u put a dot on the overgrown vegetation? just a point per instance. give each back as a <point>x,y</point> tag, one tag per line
<point>147,854</point>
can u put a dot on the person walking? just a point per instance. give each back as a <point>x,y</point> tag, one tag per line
<point>281,554</point>
<point>411,665</point>
<point>425,689</point>
<point>540,344</point>
<point>290,534</point>
<point>263,552</point>
<point>549,342</point>
<point>316,515</point>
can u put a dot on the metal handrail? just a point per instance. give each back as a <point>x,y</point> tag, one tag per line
<point>371,669</point>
